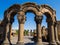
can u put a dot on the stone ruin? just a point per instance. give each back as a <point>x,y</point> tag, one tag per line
<point>39,11</point>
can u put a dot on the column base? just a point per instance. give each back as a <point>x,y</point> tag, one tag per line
<point>39,43</point>
<point>20,43</point>
<point>6,42</point>
<point>52,43</point>
<point>58,42</point>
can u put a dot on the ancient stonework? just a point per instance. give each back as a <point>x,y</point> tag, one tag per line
<point>38,10</point>
<point>58,29</point>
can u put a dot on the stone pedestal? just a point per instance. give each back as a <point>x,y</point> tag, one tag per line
<point>6,42</point>
<point>39,43</point>
<point>20,43</point>
<point>52,43</point>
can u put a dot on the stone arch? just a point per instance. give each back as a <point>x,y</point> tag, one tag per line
<point>30,7</point>
<point>51,19</point>
<point>9,18</point>
<point>48,11</point>
<point>38,11</point>
<point>12,11</point>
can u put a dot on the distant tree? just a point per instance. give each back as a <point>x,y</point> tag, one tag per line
<point>17,32</point>
<point>26,32</point>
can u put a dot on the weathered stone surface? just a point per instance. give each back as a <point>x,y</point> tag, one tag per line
<point>38,11</point>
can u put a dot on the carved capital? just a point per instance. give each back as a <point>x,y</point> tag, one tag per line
<point>51,23</point>
<point>21,18</point>
<point>38,19</point>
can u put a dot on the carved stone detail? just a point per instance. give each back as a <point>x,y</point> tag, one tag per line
<point>21,17</point>
<point>38,19</point>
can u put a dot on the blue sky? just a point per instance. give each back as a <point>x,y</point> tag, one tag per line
<point>30,23</point>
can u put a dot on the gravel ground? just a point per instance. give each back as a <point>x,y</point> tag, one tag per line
<point>27,40</point>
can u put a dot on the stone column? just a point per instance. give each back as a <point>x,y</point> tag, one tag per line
<point>38,20</point>
<point>21,20</point>
<point>9,36</point>
<point>6,42</point>
<point>10,29</point>
<point>56,34</point>
<point>51,35</point>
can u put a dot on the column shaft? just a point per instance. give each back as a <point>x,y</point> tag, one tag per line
<point>38,20</point>
<point>21,33</point>
<point>21,19</point>
<point>39,33</point>
<point>10,29</point>
<point>52,35</point>
<point>6,42</point>
<point>56,36</point>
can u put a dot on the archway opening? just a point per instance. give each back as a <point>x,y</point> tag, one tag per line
<point>31,7</point>
<point>45,29</point>
<point>30,26</point>
<point>14,30</point>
